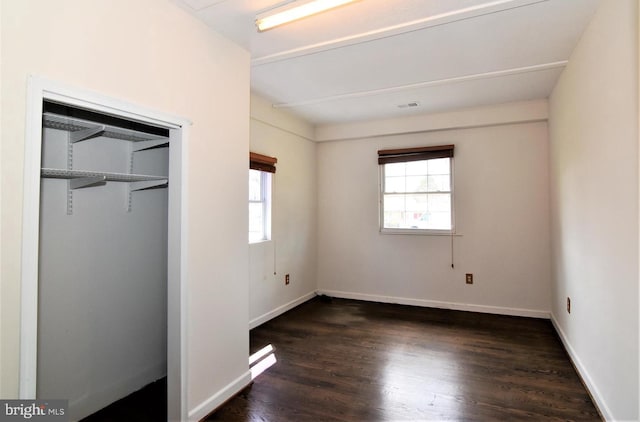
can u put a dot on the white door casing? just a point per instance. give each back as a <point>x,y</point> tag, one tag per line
<point>40,89</point>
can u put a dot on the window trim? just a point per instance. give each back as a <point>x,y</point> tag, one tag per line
<point>415,154</point>
<point>266,165</point>
<point>266,182</point>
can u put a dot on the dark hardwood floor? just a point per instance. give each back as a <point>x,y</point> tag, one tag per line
<point>343,360</point>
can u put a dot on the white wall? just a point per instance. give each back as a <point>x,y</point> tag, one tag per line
<point>174,64</point>
<point>501,202</point>
<point>292,249</point>
<point>594,207</point>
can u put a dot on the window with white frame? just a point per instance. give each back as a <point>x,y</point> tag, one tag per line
<point>416,190</point>
<point>261,169</point>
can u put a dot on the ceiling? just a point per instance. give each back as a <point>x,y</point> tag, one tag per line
<point>370,59</point>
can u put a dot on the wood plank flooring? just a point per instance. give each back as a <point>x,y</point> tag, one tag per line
<point>343,360</point>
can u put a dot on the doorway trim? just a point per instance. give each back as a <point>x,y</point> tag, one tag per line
<point>38,90</point>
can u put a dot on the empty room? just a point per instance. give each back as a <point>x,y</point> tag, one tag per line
<point>369,210</point>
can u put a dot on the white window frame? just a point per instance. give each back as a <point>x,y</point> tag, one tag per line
<point>266,187</point>
<point>416,231</point>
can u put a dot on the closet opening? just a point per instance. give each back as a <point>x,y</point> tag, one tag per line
<point>103,252</point>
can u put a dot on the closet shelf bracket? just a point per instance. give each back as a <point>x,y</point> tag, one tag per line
<point>84,134</point>
<point>149,184</point>
<point>153,144</point>
<point>87,182</point>
<point>142,186</point>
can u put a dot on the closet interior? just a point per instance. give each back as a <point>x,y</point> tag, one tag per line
<point>102,282</point>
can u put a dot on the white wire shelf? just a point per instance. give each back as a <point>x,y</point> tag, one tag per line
<point>81,178</point>
<point>110,177</point>
<point>82,130</point>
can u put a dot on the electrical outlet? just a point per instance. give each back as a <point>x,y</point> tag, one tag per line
<point>286,279</point>
<point>568,304</point>
<point>469,278</point>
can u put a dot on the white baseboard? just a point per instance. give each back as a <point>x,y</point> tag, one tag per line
<point>209,405</point>
<point>604,410</point>
<point>533,313</point>
<point>280,310</point>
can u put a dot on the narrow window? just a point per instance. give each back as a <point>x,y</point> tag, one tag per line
<point>416,190</point>
<point>261,169</point>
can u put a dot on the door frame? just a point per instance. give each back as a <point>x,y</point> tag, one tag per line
<point>38,90</point>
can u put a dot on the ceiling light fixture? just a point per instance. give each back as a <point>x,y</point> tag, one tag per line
<point>294,11</point>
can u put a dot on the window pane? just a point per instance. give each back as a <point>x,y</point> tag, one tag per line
<point>259,206</point>
<point>416,168</point>
<point>439,212</point>
<point>439,202</point>
<point>256,221</point>
<point>394,203</point>
<point>394,169</point>
<point>439,183</point>
<point>417,204</point>
<point>439,221</point>
<point>417,183</point>
<point>393,219</point>
<point>394,184</point>
<point>439,166</point>
<point>255,185</point>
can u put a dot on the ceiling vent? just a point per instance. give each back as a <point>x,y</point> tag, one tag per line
<point>409,105</point>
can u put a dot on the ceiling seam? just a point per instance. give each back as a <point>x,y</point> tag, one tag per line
<point>426,84</point>
<point>275,126</point>
<point>208,6</point>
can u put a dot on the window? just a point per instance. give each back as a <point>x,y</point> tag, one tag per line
<point>261,169</point>
<point>416,190</point>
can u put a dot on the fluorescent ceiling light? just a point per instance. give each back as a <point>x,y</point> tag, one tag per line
<point>294,11</point>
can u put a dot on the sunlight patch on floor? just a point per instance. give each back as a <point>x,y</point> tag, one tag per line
<point>262,360</point>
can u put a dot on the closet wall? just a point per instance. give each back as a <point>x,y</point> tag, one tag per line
<point>103,279</point>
